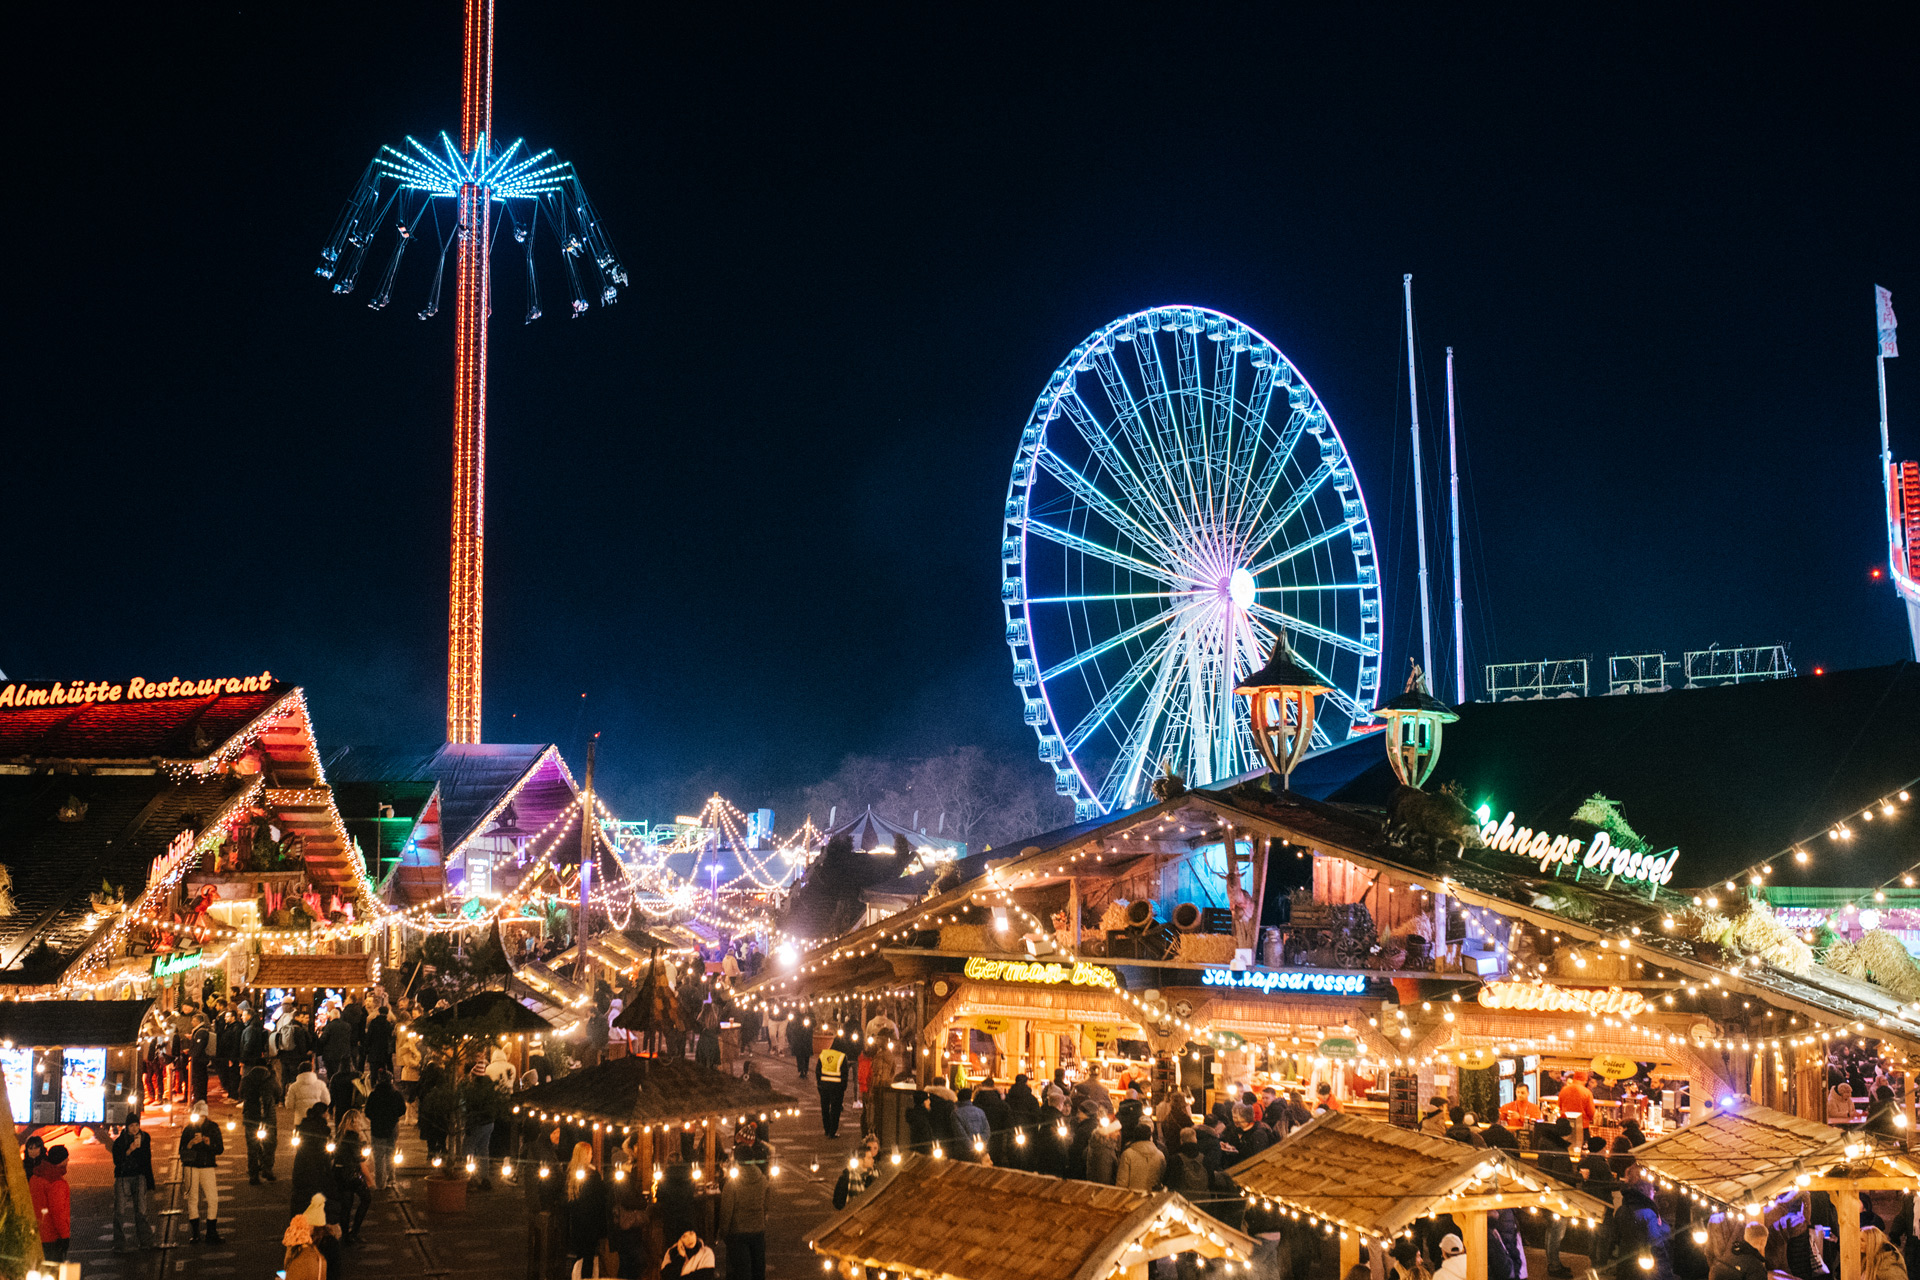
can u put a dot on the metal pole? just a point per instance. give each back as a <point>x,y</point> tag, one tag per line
<point>586,861</point>
<point>1419,490</point>
<point>472,299</point>
<point>1459,607</point>
<point>1886,456</point>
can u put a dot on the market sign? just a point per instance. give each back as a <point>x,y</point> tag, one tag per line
<point>1557,851</point>
<point>1044,972</point>
<point>179,962</point>
<point>1339,1047</point>
<point>1614,1066</point>
<point>1547,998</point>
<point>78,693</point>
<point>1476,1059</point>
<point>993,1026</point>
<point>1333,984</point>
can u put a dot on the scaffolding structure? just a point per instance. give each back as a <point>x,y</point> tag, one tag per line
<point>1531,681</point>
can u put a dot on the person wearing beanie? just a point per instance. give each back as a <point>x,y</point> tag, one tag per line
<point>200,1149</point>
<point>302,1260</point>
<point>53,1203</point>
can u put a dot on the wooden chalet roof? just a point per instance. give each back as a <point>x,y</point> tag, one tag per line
<point>956,1219</point>
<point>634,1090</point>
<point>71,1022</point>
<point>1751,1153</point>
<point>485,1004</point>
<point>1375,1178</point>
<point>313,971</point>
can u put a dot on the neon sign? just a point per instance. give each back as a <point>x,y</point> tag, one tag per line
<point>1601,855</point>
<point>1333,984</point>
<point>78,693</point>
<point>1547,998</point>
<point>1044,972</point>
<point>167,966</point>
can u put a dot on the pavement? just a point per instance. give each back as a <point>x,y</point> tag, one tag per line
<point>488,1241</point>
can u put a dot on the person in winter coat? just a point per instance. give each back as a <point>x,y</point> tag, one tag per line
<point>1000,1144</point>
<point>800,1044</point>
<point>1434,1123</point>
<point>833,1073</point>
<point>688,1258</point>
<point>677,1203</point>
<point>352,1148</point>
<point>973,1125</point>
<point>132,1183</point>
<point>53,1204</point>
<point>1550,1141</point>
<point>226,1052</point>
<point>1639,1230</point>
<point>1249,1133</point>
<point>256,1043</point>
<point>1879,1259</point>
<point>1050,1135</point>
<point>919,1124</point>
<point>500,1070</point>
<point>1747,1259</point>
<point>1103,1154</point>
<point>379,1046</point>
<point>1506,1251</point>
<point>948,1139</point>
<point>344,1085</point>
<point>200,1146</point>
<point>307,1089</point>
<point>260,1098</point>
<point>1453,1259</point>
<point>385,1109</point>
<point>742,1218</point>
<point>1186,1172</point>
<point>406,1056</point>
<point>589,1213</point>
<point>1459,1130</point>
<point>861,1172</point>
<point>293,1045</point>
<point>337,1046</point>
<point>313,1164</point>
<point>1499,1137</point>
<point>1141,1163</point>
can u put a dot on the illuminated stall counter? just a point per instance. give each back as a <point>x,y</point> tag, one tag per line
<point>71,1061</point>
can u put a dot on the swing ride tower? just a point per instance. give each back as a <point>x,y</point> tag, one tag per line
<point>465,195</point>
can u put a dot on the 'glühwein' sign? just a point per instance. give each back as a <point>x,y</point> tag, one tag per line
<point>1601,855</point>
<point>1547,998</point>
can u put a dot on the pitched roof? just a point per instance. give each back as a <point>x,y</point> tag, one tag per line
<point>636,1090</point>
<point>181,728</point>
<point>71,1022</point>
<point>1376,1179</point>
<point>485,1004</point>
<point>1798,755</point>
<point>1748,1153</point>
<point>56,865</point>
<point>966,1221</point>
<point>475,781</point>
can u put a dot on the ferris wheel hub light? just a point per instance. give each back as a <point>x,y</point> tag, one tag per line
<point>1240,588</point>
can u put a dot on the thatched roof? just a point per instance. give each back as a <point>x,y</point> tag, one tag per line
<point>1376,1179</point>
<point>485,1004</point>
<point>1749,1154</point>
<point>976,1222</point>
<point>313,971</point>
<point>637,1091</point>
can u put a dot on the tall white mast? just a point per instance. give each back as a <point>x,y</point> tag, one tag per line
<point>1419,490</point>
<point>1459,606</point>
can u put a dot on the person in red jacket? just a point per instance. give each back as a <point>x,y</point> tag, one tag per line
<point>1576,1103</point>
<point>53,1203</point>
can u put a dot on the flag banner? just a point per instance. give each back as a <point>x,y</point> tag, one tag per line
<point>1883,303</point>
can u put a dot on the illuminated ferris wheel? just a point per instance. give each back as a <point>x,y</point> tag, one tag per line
<point>1178,498</point>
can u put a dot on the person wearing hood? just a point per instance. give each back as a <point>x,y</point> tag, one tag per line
<point>1050,1135</point>
<point>1506,1250</point>
<point>1434,1123</point>
<point>500,1070</point>
<point>200,1148</point>
<point>1639,1230</point>
<point>53,1204</point>
<point>132,1183</point>
<point>260,1098</point>
<point>1140,1165</point>
<point>307,1089</point>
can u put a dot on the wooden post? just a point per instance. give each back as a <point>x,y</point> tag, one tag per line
<point>712,1127</point>
<point>1349,1252</point>
<point>1473,1233</point>
<point>1847,1205</point>
<point>1073,911</point>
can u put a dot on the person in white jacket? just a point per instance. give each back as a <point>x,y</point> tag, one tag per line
<point>500,1070</point>
<point>1453,1258</point>
<point>305,1091</point>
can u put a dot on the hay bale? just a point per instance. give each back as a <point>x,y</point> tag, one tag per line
<point>1760,933</point>
<point>1207,948</point>
<point>1887,963</point>
<point>968,937</point>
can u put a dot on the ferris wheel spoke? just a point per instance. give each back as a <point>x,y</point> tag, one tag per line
<point>1123,595</point>
<point>1317,586</point>
<point>1242,451</point>
<point>1114,696</point>
<point>1273,472</point>
<point>1132,633</point>
<point>1123,776</point>
<point>1129,416</point>
<point>1300,626</point>
<point>1086,546</point>
<point>1111,456</point>
<point>1289,509</point>
<point>1091,494</point>
<point>1220,425</point>
<point>1299,549</point>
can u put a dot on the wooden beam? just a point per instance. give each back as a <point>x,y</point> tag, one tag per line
<point>1350,1252</point>
<point>1846,1205</point>
<point>1473,1233</point>
<point>1509,1200</point>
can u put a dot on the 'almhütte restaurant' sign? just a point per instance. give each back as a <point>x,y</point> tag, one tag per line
<point>78,693</point>
<point>1602,855</point>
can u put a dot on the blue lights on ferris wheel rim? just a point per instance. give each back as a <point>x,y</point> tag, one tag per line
<point>1161,527</point>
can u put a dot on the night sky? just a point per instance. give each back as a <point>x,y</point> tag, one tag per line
<point>752,512</point>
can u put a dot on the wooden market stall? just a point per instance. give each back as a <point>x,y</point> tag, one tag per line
<point>493,1014</point>
<point>302,976</point>
<point>646,1097</point>
<point>1743,1157</point>
<point>1367,1182</point>
<point>966,1221</point>
<point>71,1061</point>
